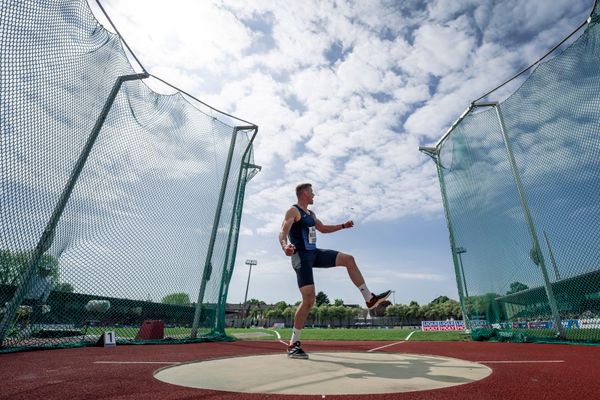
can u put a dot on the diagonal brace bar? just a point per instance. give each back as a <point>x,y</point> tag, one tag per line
<point>47,237</point>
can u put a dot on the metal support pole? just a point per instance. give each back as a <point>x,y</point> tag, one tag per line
<point>208,263</point>
<point>552,260</point>
<point>228,264</point>
<point>47,237</point>
<point>536,245</point>
<point>455,261</point>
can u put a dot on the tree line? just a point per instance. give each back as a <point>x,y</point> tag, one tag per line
<point>13,263</point>
<point>485,306</point>
<point>338,314</point>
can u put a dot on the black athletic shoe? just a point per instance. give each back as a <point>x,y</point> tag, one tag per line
<point>377,299</point>
<point>295,351</point>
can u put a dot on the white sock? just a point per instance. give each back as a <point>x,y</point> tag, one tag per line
<point>295,336</point>
<point>365,291</point>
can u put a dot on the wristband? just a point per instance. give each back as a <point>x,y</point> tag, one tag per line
<point>344,225</point>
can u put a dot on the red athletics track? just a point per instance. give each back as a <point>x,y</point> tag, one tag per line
<point>83,373</point>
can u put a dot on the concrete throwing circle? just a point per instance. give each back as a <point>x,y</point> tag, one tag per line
<point>325,373</point>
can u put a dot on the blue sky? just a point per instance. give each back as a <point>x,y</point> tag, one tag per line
<point>343,94</point>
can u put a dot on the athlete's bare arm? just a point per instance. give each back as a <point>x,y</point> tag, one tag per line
<point>331,228</point>
<point>292,215</point>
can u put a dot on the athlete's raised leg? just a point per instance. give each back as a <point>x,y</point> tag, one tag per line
<point>348,261</point>
<point>372,299</point>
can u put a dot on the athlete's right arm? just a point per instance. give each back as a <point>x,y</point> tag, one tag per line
<point>288,220</point>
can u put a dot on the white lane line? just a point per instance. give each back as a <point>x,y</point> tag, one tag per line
<point>520,361</point>
<point>137,362</point>
<point>278,336</point>
<point>383,347</point>
<point>393,344</point>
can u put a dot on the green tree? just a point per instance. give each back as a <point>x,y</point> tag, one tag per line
<point>440,300</point>
<point>64,287</point>
<point>256,302</point>
<point>455,310</point>
<point>517,287</point>
<point>353,312</point>
<point>414,311</point>
<point>428,312</point>
<point>441,308</point>
<point>254,313</point>
<point>324,313</point>
<point>13,264</point>
<point>321,299</point>
<point>274,313</point>
<point>312,313</point>
<point>338,302</point>
<point>177,299</point>
<point>338,312</point>
<point>288,314</point>
<point>281,305</point>
<point>398,311</point>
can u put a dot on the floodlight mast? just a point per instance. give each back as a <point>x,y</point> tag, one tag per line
<point>249,263</point>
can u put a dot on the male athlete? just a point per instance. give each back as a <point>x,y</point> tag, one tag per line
<point>301,224</point>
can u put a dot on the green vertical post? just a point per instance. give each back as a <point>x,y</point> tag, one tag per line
<point>228,263</point>
<point>219,328</point>
<point>552,260</point>
<point>434,153</point>
<point>208,263</point>
<point>536,245</point>
<point>47,237</point>
<point>455,260</point>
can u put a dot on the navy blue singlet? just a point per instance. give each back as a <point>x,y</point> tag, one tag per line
<point>303,234</point>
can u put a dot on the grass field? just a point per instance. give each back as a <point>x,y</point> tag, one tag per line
<point>130,333</point>
<point>356,334</point>
<point>351,334</point>
<point>308,334</point>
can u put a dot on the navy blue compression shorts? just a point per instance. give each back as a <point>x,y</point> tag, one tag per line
<point>303,261</point>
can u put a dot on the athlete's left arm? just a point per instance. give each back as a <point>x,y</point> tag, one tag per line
<point>321,227</point>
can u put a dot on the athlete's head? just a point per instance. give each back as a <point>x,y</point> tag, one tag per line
<point>304,192</point>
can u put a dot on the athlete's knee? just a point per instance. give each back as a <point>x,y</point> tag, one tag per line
<point>351,261</point>
<point>346,260</point>
<point>308,296</point>
<point>308,301</point>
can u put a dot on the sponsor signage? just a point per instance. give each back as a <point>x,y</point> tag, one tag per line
<point>442,326</point>
<point>590,323</point>
<point>540,325</point>
<point>479,323</point>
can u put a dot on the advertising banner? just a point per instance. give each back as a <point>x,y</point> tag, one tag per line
<point>589,323</point>
<point>442,326</point>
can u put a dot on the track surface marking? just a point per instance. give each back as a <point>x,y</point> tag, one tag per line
<point>76,374</point>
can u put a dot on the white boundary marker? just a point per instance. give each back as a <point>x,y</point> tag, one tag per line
<point>393,344</point>
<point>278,336</point>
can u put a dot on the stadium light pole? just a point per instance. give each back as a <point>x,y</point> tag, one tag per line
<point>249,263</point>
<point>460,251</point>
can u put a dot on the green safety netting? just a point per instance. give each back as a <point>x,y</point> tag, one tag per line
<point>520,180</point>
<point>120,207</point>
